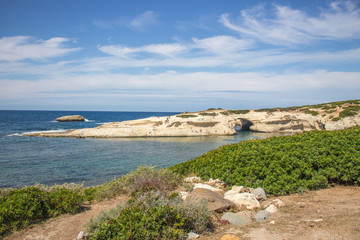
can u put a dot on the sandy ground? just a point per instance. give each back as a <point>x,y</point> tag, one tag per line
<point>325,214</point>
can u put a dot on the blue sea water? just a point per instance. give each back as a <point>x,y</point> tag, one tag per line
<point>29,160</point>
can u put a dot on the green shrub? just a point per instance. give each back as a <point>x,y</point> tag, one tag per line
<point>20,208</point>
<point>283,165</point>
<point>151,216</point>
<point>314,113</point>
<point>104,216</point>
<point>186,116</point>
<point>239,111</point>
<point>64,201</point>
<point>208,114</point>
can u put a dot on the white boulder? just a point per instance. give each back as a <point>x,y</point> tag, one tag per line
<point>206,186</point>
<point>247,200</point>
<point>272,208</point>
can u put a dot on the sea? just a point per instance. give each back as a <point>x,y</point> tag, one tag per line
<point>25,160</point>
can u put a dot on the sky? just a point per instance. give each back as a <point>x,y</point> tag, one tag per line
<point>187,55</point>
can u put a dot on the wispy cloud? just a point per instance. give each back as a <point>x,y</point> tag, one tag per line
<point>145,19</point>
<point>287,26</point>
<point>137,23</point>
<point>25,47</point>
<point>166,49</point>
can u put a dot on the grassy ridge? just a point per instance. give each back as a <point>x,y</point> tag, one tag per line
<point>283,165</point>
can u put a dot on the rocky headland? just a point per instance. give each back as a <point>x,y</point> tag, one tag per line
<point>212,122</point>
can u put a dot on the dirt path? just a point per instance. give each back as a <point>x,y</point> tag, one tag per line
<point>65,227</point>
<point>329,214</point>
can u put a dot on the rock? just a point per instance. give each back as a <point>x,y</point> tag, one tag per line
<point>215,201</point>
<point>183,194</point>
<point>206,186</point>
<point>82,236</point>
<point>259,193</point>
<point>272,208</point>
<point>192,179</point>
<point>262,215</point>
<point>238,219</point>
<point>278,202</point>
<point>215,182</point>
<point>229,237</point>
<point>247,200</point>
<point>71,118</point>
<point>192,235</point>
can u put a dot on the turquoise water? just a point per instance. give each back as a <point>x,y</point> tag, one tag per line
<point>29,160</point>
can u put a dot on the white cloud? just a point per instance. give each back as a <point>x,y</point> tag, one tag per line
<point>166,49</point>
<point>340,22</point>
<point>137,23</point>
<point>201,83</point>
<point>24,47</point>
<point>223,44</point>
<point>145,19</point>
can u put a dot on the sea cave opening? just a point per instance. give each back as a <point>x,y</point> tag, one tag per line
<point>243,125</point>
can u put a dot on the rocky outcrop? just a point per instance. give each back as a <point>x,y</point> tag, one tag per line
<point>71,118</point>
<point>212,123</point>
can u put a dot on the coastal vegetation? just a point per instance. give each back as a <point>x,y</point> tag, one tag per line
<point>284,165</point>
<point>22,207</point>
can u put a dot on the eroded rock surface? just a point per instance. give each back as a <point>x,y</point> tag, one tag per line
<point>212,123</point>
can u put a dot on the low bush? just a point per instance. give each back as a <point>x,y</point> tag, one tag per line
<point>143,179</point>
<point>151,216</point>
<point>146,178</point>
<point>208,114</point>
<point>312,112</point>
<point>239,111</point>
<point>186,116</point>
<point>20,208</point>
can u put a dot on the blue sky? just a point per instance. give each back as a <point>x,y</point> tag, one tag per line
<point>177,55</point>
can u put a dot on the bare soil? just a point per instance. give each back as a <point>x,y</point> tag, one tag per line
<point>328,214</point>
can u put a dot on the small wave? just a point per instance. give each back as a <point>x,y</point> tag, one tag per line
<point>87,120</point>
<point>15,135</point>
<point>45,131</point>
<point>102,123</point>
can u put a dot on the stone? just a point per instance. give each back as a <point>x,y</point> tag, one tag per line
<point>71,118</point>
<point>215,182</point>
<point>259,193</point>
<point>192,235</point>
<point>247,200</point>
<point>183,195</point>
<point>82,235</point>
<point>278,203</point>
<point>214,201</point>
<point>206,186</point>
<point>229,237</point>
<point>262,215</point>
<point>192,179</point>
<point>272,208</point>
<point>238,219</point>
